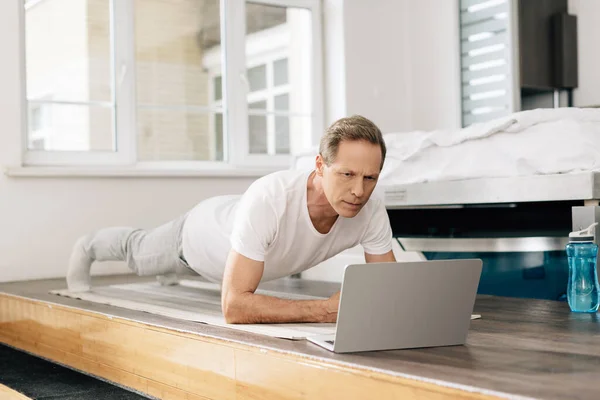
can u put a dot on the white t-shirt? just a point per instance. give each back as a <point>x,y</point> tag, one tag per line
<point>270,223</point>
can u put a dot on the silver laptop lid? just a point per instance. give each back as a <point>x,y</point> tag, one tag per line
<point>406,305</point>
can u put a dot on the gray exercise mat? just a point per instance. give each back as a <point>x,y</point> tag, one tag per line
<point>193,301</point>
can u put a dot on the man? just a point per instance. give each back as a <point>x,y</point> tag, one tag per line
<point>285,223</point>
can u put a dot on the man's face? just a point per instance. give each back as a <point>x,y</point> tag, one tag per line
<point>349,181</point>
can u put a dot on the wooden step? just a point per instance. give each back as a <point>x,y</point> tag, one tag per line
<point>7,393</point>
<point>171,364</point>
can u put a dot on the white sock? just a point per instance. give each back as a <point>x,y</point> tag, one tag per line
<point>80,263</point>
<point>168,279</point>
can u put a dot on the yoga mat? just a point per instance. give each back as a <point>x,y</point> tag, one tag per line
<point>196,301</point>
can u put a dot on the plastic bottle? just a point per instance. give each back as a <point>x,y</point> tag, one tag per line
<point>582,253</point>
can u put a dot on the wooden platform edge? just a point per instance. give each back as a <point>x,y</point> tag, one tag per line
<point>168,364</point>
<point>7,393</point>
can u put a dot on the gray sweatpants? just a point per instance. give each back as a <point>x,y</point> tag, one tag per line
<point>155,251</point>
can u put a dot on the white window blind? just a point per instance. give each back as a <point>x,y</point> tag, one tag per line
<point>486,31</point>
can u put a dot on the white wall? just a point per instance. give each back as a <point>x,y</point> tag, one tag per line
<point>41,218</point>
<point>434,60</point>
<point>401,62</point>
<point>334,56</point>
<point>376,62</point>
<point>588,35</point>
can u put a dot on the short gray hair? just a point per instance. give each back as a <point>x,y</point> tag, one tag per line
<point>351,128</point>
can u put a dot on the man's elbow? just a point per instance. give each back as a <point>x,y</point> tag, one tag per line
<point>232,312</point>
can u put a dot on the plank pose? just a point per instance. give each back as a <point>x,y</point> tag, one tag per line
<point>285,223</point>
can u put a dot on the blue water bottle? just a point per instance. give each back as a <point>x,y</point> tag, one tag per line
<point>582,253</point>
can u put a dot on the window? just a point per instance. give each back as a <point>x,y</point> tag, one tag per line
<point>269,107</point>
<point>486,60</point>
<point>282,96</point>
<point>204,82</point>
<point>68,77</point>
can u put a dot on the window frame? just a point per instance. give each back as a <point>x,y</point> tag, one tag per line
<point>122,101</point>
<point>235,114</point>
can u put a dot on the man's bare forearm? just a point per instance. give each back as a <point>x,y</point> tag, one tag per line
<point>249,308</point>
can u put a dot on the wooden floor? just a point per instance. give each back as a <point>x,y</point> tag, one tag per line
<point>519,349</point>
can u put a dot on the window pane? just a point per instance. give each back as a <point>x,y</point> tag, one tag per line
<point>258,105</point>
<point>68,59</point>
<point>280,38</point>
<point>283,36</point>
<point>290,133</point>
<point>68,50</point>
<point>280,72</point>
<point>257,78</point>
<point>220,156</point>
<point>257,125</point>
<point>260,17</point>
<point>176,136</point>
<point>61,127</point>
<point>282,102</point>
<point>36,117</point>
<point>218,88</point>
<point>282,125</point>
<point>177,43</point>
<point>282,135</point>
<point>178,79</point>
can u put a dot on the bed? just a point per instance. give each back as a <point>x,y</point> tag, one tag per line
<point>508,191</point>
<point>581,186</point>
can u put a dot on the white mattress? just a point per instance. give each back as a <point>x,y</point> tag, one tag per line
<point>539,142</point>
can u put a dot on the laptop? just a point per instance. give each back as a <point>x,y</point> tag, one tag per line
<point>385,306</point>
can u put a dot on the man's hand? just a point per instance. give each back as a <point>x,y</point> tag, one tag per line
<point>242,306</point>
